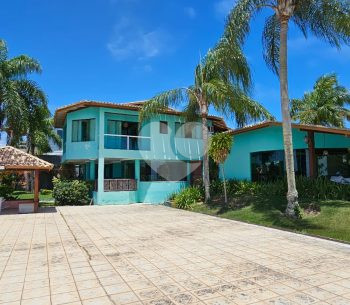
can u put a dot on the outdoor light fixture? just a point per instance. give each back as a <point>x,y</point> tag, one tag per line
<point>306,140</point>
<point>325,152</point>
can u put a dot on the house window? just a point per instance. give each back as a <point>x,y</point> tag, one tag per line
<point>189,130</point>
<point>163,171</point>
<point>83,130</point>
<point>120,170</point>
<point>163,127</point>
<point>270,165</point>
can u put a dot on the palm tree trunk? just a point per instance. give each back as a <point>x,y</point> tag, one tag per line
<point>206,181</point>
<point>224,180</point>
<point>292,195</point>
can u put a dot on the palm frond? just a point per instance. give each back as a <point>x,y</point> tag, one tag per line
<point>324,105</point>
<point>326,19</point>
<point>31,92</point>
<point>271,43</point>
<point>191,111</point>
<point>238,22</point>
<point>227,61</point>
<point>162,101</point>
<point>22,65</point>
<point>3,50</point>
<point>231,101</point>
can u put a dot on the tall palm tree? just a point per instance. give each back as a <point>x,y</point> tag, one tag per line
<point>220,80</point>
<point>326,19</point>
<point>325,105</point>
<point>14,87</point>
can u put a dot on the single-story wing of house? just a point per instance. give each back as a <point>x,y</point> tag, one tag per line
<point>257,153</point>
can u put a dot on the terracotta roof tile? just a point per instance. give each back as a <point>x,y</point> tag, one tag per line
<point>13,158</point>
<point>60,113</point>
<point>303,127</point>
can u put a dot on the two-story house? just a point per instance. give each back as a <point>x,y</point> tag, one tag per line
<point>131,161</point>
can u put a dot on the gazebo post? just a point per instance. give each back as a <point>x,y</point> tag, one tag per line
<point>36,190</point>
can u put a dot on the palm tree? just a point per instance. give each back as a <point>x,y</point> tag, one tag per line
<point>326,19</point>
<point>219,148</point>
<point>14,86</point>
<point>220,80</point>
<point>325,105</point>
<point>41,132</point>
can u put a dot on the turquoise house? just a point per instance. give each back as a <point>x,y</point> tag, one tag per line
<point>129,161</point>
<point>257,153</point>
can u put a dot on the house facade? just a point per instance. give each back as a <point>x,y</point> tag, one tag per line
<point>129,161</point>
<point>257,153</point>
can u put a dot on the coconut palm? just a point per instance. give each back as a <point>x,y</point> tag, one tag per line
<point>41,132</point>
<point>325,105</point>
<point>14,88</point>
<point>326,19</point>
<point>220,80</point>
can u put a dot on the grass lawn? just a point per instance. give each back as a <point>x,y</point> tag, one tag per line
<point>28,195</point>
<point>333,221</point>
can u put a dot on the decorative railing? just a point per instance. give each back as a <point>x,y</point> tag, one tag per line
<point>118,185</point>
<point>113,141</point>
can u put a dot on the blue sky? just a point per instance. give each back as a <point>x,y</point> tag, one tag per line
<point>127,50</point>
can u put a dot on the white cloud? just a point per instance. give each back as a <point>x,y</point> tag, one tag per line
<point>223,7</point>
<point>190,12</point>
<point>129,40</point>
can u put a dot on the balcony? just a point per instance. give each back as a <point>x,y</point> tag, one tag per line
<point>118,185</point>
<point>125,142</point>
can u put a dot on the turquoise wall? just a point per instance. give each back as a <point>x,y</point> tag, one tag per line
<point>158,192</point>
<point>237,165</point>
<point>81,150</point>
<point>148,192</point>
<point>162,147</point>
<point>115,198</point>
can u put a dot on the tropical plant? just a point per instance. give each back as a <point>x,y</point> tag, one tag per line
<point>187,198</point>
<point>70,192</point>
<point>310,190</point>
<point>23,105</point>
<point>220,145</point>
<point>325,105</point>
<point>326,19</point>
<point>14,85</point>
<point>220,81</point>
<point>41,132</point>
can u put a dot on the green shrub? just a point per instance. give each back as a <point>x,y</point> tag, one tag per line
<point>70,192</point>
<point>45,192</point>
<point>188,197</point>
<point>6,191</point>
<point>8,181</point>
<point>309,189</point>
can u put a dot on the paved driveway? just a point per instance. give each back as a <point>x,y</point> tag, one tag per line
<point>155,255</point>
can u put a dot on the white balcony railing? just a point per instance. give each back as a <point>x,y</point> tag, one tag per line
<point>126,142</point>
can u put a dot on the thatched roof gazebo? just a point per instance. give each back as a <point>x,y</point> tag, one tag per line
<point>13,159</point>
